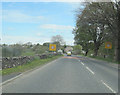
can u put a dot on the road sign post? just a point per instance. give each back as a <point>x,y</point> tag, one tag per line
<point>52,47</point>
<point>108,45</point>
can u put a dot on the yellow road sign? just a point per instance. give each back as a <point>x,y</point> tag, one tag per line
<point>52,47</point>
<point>108,45</point>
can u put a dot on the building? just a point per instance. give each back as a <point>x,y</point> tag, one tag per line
<point>69,48</point>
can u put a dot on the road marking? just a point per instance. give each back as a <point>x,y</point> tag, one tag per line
<point>35,69</point>
<point>82,63</point>
<point>90,70</point>
<point>108,86</point>
<point>10,80</point>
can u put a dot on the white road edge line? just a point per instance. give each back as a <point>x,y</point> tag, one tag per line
<point>25,72</point>
<point>90,70</point>
<point>108,86</point>
<point>10,80</point>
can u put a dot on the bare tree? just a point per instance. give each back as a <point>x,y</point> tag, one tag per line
<point>57,39</point>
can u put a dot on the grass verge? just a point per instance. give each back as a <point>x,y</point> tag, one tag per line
<point>28,66</point>
<point>0,72</point>
<point>103,59</point>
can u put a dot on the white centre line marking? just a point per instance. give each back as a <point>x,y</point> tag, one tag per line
<point>108,86</point>
<point>81,62</point>
<point>90,70</point>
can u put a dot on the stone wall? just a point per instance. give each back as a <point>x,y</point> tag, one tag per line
<point>16,61</point>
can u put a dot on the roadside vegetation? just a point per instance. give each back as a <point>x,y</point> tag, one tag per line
<point>29,50</point>
<point>96,24</point>
<point>30,65</point>
<point>104,59</point>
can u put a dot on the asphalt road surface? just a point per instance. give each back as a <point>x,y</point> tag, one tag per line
<point>69,74</point>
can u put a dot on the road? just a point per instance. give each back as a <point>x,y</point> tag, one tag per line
<point>69,74</point>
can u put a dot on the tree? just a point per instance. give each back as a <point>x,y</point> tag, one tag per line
<point>118,10</point>
<point>89,28</point>
<point>102,20</point>
<point>12,50</point>
<point>39,49</point>
<point>110,18</point>
<point>83,38</point>
<point>58,40</point>
<point>77,49</point>
<point>29,43</point>
<point>46,44</point>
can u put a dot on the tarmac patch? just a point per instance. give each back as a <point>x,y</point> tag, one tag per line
<point>71,57</point>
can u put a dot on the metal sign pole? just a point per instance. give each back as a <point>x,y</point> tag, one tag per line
<point>107,53</point>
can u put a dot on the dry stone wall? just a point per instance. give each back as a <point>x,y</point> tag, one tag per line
<point>16,61</point>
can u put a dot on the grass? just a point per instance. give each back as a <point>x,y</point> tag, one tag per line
<point>28,54</point>
<point>0,72</point>
<point>37,62</point>
<point>104,59</point>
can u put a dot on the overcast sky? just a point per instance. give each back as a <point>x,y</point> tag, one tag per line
<point>37,22</point>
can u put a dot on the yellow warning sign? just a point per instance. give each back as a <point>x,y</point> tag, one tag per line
<point>108,45</point>
<point>52,47</point>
